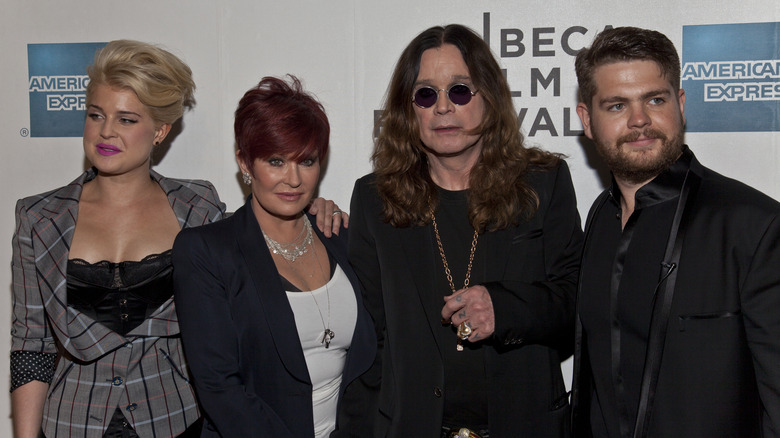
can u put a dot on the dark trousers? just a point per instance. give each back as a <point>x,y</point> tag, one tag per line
<point>119,427</point>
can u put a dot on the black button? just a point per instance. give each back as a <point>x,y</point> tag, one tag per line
<point>124,316</point>
<point>437,391</point>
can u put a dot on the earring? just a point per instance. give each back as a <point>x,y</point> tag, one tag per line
<point>247,178</point>
<point>157,143</point>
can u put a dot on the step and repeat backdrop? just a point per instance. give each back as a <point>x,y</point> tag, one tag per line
<point>344,52</point>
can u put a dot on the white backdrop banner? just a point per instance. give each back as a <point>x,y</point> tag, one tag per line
<point>344,52</point>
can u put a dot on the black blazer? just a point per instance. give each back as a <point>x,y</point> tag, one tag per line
<point>239,331</point>
<point>530,271</point>
<point>719,371</point>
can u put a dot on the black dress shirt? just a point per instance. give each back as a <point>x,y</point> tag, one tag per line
<point>621,270</point>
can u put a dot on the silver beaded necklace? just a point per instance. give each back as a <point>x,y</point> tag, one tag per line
<point>292,250</point>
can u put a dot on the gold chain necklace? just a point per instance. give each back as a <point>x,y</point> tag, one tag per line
<point>447,266</point>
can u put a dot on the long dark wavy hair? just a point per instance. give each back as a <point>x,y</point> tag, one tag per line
<point>499,194</point>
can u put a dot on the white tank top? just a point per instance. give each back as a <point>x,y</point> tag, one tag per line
<point>325,364</point>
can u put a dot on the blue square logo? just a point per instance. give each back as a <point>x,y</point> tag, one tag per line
<point>731,77</point>
<point>57,84</point>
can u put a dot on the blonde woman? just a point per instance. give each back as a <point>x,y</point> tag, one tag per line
<point>96,349</point>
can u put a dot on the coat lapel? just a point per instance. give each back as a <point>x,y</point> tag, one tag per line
<point>421,261</point>
<point>53,234</point>
<point>363,348</point>
<point>191,210</point>
<point>496,244</point>
<point>57,213</point>
<point>663,301</point>
<point>266,283</point>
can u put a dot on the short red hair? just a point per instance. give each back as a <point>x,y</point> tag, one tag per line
<point>280,118</point>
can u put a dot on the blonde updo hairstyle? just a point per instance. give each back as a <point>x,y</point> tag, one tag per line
<point>161,81</point>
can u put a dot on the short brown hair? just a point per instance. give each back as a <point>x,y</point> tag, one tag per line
<point>626,44</point>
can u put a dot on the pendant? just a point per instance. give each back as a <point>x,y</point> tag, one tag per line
<point>327,335</point>
<point>460,346</point>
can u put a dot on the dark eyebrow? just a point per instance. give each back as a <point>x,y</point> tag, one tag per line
<point>612,99</point>
<point>660,92</point>
<point>122,113</point>
<point>620,99</point>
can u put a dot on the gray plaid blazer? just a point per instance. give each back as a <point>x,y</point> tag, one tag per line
<point>98,370</point>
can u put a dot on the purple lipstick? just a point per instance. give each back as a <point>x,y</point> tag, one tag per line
<point>107,149</point>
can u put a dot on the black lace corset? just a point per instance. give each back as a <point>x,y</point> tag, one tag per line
<point>120,295</point>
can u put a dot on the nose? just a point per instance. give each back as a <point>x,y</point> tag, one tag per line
<point>638,116</point>
<point>293,175</point>
<point>106,129</point>
<point>443,104</point>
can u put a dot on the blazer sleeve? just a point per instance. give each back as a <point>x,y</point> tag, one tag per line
<point>760,298</point>
<point>29,330</point>
<point>542,311</point>
<point>211,342</point>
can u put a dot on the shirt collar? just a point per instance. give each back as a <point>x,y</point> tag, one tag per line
<point>665,186</point>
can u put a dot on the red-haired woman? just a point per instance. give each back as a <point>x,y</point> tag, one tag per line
<point>271,313</point>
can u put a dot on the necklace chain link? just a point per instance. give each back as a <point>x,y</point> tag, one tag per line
<point>447,272</point>
<point>444,257</point>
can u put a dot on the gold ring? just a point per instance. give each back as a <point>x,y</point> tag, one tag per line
<point>463,433</point>
<point>464,330</point>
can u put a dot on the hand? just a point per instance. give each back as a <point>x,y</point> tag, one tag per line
<point>329,216</point>
<point>472,305</point>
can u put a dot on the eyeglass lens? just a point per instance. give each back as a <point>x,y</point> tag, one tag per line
<point>426,97</point>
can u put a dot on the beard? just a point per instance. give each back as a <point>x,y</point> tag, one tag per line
<point>636,167</point>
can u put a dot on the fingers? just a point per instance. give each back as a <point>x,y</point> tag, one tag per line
<point>323,209</point>
<point>329,216</point>
<point>345,219</point>
<point>473,306</point>
<point>452,304</point>
<point>469,332</point>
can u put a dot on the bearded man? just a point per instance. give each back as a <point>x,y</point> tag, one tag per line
<point>678,313</point>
